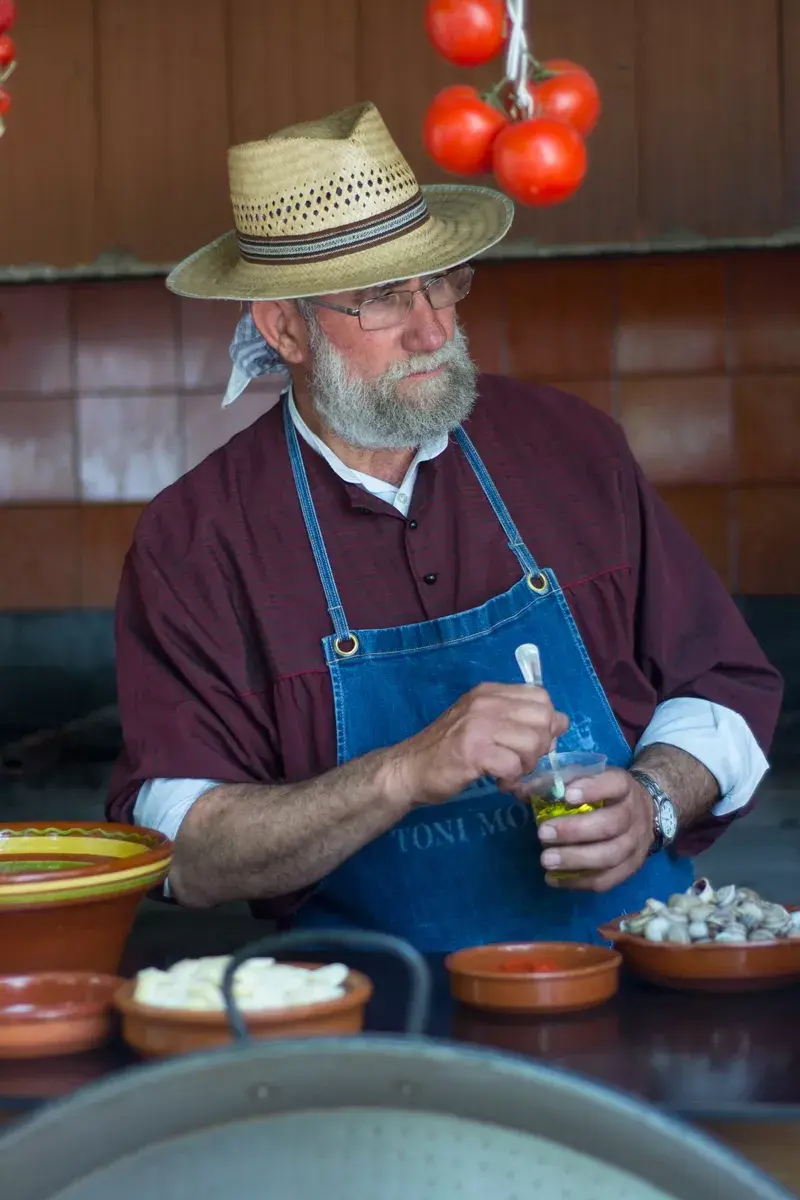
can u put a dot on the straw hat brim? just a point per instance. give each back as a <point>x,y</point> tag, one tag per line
<point>464,221</point>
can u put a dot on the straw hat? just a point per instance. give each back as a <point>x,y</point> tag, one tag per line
<point>330,206</point>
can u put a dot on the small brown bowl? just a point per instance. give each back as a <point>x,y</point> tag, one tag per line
<point>162,1032</point>
<point>751,967</point>
<point>483,977</point>
<point>55,1012</point>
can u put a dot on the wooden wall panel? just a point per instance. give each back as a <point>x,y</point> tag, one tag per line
<point>163,125</point>
<point>291,61</point>
<point>709,117</point>
<point>790,41</point>
<point>600,35</point>
<point>48,156</point>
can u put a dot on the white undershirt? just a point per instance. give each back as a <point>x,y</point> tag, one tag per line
<point>715,735</point>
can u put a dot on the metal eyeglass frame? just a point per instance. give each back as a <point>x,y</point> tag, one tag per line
<point>356,312</point>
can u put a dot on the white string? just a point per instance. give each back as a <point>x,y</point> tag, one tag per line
<point>517,57</point>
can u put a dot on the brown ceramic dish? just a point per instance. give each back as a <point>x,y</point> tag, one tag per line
<point>161,1032</point>
<point>69,891</point>
<point>708,968</point>
<point>54,1012</point>
<point>585,976</point>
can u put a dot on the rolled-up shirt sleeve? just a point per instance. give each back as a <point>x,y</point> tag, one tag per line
<point>693,644</point>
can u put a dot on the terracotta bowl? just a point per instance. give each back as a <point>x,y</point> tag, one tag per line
<point>69,892</point>
<point>708,968</point>
<point>162,1032</point>
<point>483,977</point>
<point>55,1012</point>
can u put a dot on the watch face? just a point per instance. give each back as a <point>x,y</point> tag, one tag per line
<point>668,819</point>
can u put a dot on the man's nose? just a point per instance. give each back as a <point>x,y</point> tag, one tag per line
<point>423,330</point>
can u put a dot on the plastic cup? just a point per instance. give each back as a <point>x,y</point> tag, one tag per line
<point>540,789</point>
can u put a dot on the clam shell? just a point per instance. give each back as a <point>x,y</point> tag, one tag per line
<point>678,935</point>
<point>726,895</point>
<point>734,933</point>
<point>657,929</point>
<point>698,931</point>
<point>761,935</point>
<point>749,914</point>
<point>680,902</point>
<point>702,890</point>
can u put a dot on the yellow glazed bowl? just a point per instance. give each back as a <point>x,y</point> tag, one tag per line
<point>69,891</point>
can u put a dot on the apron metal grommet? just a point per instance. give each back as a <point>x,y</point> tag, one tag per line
<point>351,643</point>
<point>538,583</point>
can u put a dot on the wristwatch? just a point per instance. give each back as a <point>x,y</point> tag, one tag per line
<point>665,815</point>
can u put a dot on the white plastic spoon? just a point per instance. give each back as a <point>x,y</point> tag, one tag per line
<point>530,665</point>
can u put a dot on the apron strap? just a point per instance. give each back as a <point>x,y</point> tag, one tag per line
<point>332,597</point>
<point>515,542</point>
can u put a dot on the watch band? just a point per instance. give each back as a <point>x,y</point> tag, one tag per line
<point>659,798</point>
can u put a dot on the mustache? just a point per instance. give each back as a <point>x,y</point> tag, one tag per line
<point>445,356</point>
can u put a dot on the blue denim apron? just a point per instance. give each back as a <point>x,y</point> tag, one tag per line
<point>465,872</point>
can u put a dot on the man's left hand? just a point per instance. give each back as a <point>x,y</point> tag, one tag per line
<point>607,846</point>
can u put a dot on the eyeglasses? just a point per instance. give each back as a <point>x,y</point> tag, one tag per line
<point>390,310</point>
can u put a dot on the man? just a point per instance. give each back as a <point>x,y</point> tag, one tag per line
<point>317,625</point>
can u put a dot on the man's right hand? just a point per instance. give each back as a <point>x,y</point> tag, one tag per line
<point>501,730</point>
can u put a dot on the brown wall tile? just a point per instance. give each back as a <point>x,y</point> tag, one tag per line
<point>39,553</point>
<point>790,80</point>
<point>767,409</point>
<point>127,336</point>
<point>671,316</point>
<point>484,315</point>
<point>561,319</point>
<point>206,330</point>
<point>680,430</point>
<point>769,541</point>
<point>37,449</point>
<point>597,392</point>
<point>705,512</point>
<point>106,533</point>
<point>129,446</point>
<point>35,354</point>
<point>765,310</point>
<point>207,426</point>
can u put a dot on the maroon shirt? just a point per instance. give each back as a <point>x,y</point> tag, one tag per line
<point>221,613</point>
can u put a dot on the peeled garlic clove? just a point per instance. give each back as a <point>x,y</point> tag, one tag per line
<point>657,929</point>
<point>761,935</point>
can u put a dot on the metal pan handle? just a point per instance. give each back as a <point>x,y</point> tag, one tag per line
<point>419,976</point>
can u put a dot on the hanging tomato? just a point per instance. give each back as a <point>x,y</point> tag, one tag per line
<point>539,162</point>
<point>8,15</point>
<point>459,130</point>
<point>5,103</point>
<point>565,90</point>
<point>466,32</point>
<point>7,50</point>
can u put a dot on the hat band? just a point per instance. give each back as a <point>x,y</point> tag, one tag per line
<point>345,239</point>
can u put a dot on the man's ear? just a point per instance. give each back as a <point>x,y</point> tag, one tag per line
<point>281,325</point>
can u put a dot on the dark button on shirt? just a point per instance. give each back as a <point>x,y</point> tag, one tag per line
<point>430,578</point>
<point>221,613</point>
<point>412,524</point>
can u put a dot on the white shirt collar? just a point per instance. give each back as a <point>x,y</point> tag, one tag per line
<point>399,497</point>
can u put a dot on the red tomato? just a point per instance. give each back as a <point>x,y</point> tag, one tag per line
<point>570,94</point>
<point>5,102</point>
<point>539,162</point>
<point>8,15</point>
<point>466,32</point>
<point>7,51</point>
<point>459,130</point>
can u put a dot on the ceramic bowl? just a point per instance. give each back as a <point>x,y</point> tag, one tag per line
<point>498,978</point>
<point>162,1032</point>
<point>55,1012</point>
<point>725,967</point>
<point>69,892</point>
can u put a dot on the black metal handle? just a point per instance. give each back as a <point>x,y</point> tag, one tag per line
<point>419,976</point>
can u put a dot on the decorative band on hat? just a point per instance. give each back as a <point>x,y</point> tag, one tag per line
<point>345,239</point>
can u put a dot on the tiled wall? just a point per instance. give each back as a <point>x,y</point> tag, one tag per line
<point>108,391</point>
